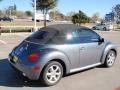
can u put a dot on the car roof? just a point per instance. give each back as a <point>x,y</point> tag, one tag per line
<point>65,28</point>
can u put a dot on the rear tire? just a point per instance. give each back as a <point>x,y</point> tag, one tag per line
<point>52,73</point>
<point>94,28</point>
<point>37,20</point>
<point>105,29</point>
<point>110,59</point>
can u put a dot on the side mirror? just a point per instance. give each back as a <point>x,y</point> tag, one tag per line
<point>101,40</point>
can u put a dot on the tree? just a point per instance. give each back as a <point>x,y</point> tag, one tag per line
<point>116,11</point>
<point>11,10</point>
<point>32,3</point>
<point>15,7</point>
<point>79,18</point>
<point>95,17</point>
<point>45,6</point>
<point>71,13</point>
<point>21,14</point>
<point>1,13</point>
<point>0,10</point>
<point>57,15</point>
<point>28,13</point>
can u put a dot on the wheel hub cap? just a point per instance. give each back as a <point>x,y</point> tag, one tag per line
<point>53,74</point>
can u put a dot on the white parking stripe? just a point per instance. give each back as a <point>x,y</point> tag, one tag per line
<point>3,42</point>
<point>22,35</point>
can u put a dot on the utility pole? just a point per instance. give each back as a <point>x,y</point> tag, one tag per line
<point>35,24</point>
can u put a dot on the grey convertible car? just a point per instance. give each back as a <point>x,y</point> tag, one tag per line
<point>57,50</point>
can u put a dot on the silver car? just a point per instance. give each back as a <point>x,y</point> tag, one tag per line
<point>103,27</point>
<point>57,50</point>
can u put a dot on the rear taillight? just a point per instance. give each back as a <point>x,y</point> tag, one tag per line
<point>33,57</point>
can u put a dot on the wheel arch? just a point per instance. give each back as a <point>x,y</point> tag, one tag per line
<point>62,63</point>
<point>114,51</point>
<point>56,56</point>
<point>57,60</point>
<point>106,50</point>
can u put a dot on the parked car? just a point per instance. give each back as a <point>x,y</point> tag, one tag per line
<point>104,27</point>
<point>6,19</point>
<point>0,18</point>
<point>57,50</point>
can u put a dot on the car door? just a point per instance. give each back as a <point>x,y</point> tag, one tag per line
<point>98,26</point>
<point>90,49</point>
<point>103,26</point>
<point>71,48</point>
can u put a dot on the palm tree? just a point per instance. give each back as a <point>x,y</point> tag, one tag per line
<point>45,6</point>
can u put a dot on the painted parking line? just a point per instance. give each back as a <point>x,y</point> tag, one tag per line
<point>3,42</point>
<point>24,35</point>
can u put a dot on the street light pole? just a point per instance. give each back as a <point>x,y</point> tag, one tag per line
<point>10,14</point>
<point>35,26</point>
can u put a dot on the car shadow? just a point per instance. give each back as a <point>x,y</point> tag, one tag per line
<point>11,78</point>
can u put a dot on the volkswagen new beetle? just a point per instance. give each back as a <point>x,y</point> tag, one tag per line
<point>57,50</point>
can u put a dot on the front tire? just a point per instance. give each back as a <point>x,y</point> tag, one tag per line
<point>52,73</point>
<point>110,58</point>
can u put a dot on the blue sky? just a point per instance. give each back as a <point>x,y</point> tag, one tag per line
<point>65,6</point>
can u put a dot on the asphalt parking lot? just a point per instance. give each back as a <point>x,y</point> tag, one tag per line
<point>98,78</point>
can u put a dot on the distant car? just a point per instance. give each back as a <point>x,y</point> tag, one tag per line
<point>56,50</point>
<point>118,22</point>
<point>1,18</point>
<point>104,27</point>
<point>6,19</point>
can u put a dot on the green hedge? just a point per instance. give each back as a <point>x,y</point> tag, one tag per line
<point>16,31</point>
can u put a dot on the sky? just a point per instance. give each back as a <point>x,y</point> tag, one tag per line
<point>65,6</point>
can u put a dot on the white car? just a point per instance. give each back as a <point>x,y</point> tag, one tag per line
<point>104,27</point>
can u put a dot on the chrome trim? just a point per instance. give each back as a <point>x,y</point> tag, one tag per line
<point>83,68</point>
<point>31,42</point>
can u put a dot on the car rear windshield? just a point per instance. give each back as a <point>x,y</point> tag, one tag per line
<point>46,36</point>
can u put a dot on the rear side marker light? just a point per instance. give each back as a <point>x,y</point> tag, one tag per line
<point>36,68</point>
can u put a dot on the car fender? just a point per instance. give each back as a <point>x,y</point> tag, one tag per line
<point>108,47</point>
<point>55,55</point>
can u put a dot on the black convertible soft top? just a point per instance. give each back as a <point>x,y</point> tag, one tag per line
<point>63,28</point>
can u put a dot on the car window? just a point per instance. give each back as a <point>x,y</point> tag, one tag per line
<point>87,36</point>
<point>44,36</point>
<point>51,36</point>
<point>72,38</point>
<point>98,25</point>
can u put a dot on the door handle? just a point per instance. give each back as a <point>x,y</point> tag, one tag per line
<point>82,48</point>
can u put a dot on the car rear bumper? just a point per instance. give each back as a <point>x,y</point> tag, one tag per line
<point>26,71</point>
